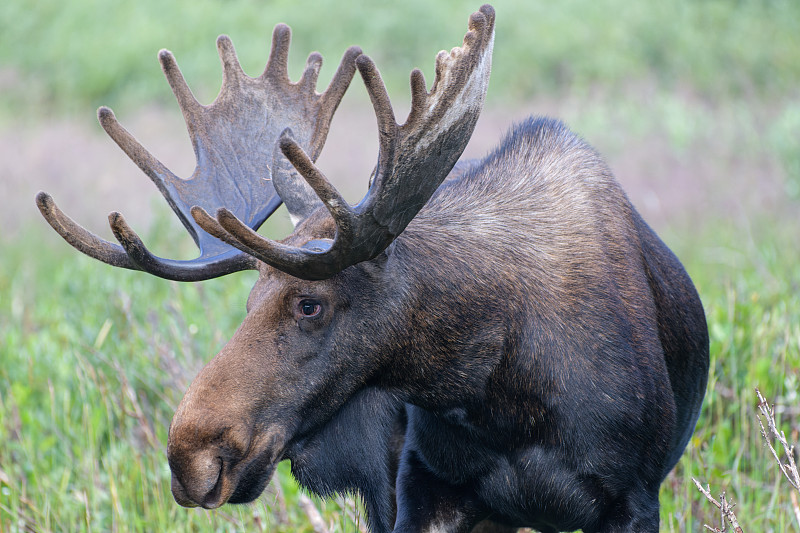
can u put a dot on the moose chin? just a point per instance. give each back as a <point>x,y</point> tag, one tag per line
<point>477,345</point>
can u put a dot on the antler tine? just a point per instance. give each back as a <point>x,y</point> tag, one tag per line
<point>210,225</point>
<point>115,255</point>
<point>332,97</point>
<point>278,62</point>
<point>341,78</point>
<point>316,262</point>
<point>338,207</point>
<point>147,162</point>
<point>231,69</point>
<point>419,95</point>
<point>413,161</point>
<point>81,238</point>
<point>221,264</point>
<point>183,94</point>
<point>382,105</point>
<point>311,73</point>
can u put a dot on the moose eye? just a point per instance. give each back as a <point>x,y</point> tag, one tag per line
<point>310,308</point>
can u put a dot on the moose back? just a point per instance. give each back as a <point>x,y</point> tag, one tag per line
<point>492,344</point>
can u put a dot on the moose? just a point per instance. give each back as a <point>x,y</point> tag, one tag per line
<point>476,345</point>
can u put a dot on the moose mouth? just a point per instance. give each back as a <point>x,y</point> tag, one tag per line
<point>212,481</point>
<point>232,485</point>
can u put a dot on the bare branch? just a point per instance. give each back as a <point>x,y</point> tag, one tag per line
<point>789,469</point>
<point>770,433</point>
<point>725,508</point>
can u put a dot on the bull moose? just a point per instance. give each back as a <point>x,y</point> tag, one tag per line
<point>485,344</point>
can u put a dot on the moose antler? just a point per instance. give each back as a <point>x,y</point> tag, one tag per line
<point>413,160</point>
<point>238,166</point>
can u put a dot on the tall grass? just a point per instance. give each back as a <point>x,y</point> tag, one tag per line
<point>750,285</point>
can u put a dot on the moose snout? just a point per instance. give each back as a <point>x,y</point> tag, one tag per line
<point>234,467</point>
<point>197,480</point>
<point>205,452</point>
<point>216,458</point>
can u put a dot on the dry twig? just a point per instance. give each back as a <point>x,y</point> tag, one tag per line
<point>725,508</point>
<point>770,433</point>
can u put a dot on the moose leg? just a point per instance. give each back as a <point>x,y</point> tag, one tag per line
<point>426,503</point>
<point>637,513</point>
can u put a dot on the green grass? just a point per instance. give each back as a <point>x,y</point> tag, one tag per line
<point>750,287</point>
<point>66,59</point>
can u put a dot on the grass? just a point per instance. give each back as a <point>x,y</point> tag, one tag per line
<point>751,293</point>
<point>59,59</point>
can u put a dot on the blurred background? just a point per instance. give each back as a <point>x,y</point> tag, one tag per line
<point>694,104</point>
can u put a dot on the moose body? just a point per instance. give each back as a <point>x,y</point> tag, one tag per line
<point>528,325</point>
<point>518,349</point>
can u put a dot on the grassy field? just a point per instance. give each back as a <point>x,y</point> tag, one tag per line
<point>93,361</point>
<point>750,285</point>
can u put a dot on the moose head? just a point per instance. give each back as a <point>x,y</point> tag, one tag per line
<point>510,343</point>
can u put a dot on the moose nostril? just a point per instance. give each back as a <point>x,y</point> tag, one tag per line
<point>213,499</point>
<point>199,482</point>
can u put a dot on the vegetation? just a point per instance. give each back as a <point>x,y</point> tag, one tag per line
<point>94,360</point>
<point>97,52</point>
<point>751,293</point>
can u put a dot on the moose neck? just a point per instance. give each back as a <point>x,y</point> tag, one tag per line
<point>447,336</point>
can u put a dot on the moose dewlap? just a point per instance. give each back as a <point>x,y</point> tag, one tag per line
<point>497,344</point>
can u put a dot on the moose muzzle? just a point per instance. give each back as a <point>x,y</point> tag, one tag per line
<point>213,465</point>
<point>222,448</point>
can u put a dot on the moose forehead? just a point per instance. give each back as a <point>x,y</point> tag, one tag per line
<point>274,286</point>
<point>280,290</point>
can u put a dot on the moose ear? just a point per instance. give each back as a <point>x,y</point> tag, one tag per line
<point>377,265</point>
<point>297,195</point>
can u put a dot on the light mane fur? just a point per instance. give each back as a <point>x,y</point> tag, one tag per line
<point>542,206</point>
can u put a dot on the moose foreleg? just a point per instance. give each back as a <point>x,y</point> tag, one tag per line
<point>427,504</point>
